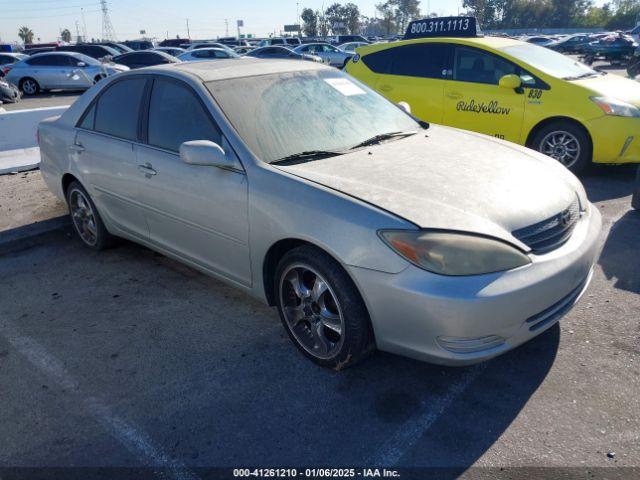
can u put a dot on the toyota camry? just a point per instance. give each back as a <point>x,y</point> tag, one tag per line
<point>365,227</point>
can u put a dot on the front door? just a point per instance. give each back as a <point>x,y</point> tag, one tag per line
<point>474,101</point>
<point>196,212</point>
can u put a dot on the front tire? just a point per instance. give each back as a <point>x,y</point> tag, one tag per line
<point>322,310</point>
<point>86,219</point>
<point>29,86</point>
<point>566,142</point>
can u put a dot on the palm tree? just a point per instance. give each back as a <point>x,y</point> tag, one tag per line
<point>26,35</point>
<point>65,35</point>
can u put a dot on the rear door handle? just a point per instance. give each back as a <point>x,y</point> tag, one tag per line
<point>454,95</point>
<point>147,169</point>
<point>77,148</point>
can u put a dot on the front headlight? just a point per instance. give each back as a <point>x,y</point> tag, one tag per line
<point>454,254</point>
<point>617,108</point>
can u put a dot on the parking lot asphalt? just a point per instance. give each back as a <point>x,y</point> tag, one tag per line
<point>127,358</point>
<point>42,100</point>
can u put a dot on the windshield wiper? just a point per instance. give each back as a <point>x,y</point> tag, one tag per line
<point>308,155</point>
<point>381,138</point>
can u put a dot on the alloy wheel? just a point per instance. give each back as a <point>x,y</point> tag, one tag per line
<point>312,311</point>
<point>29,87</point>
<point>563,146</point>
<point>83,216</point>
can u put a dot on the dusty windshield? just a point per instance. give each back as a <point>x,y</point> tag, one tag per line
<point>286,114</point>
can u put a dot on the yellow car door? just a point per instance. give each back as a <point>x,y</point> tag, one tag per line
<point>415,74</point>
<point>475,100</point>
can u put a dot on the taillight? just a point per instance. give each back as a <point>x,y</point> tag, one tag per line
<point>5,70</point>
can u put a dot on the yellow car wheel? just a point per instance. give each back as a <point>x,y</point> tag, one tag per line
<point>567,142</point>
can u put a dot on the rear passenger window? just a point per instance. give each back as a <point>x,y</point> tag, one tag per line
<point>118,109</point>
<point>89,118</point>
<point>177,116</point>
<point>424,60</point>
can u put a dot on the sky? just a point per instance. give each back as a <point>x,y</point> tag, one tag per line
<point>162,18</point>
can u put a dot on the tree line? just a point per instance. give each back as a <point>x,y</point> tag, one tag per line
<point>508,14</point>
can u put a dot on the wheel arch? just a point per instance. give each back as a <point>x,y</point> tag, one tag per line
<point>66,180</point>
<point>548,121</point>
<point>278,250</point>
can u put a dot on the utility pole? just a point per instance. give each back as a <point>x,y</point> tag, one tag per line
<point>84,25</point>
<point>188,34</point>
<point>77,32</point>
<point>226,27</point>
<point>107,28</point>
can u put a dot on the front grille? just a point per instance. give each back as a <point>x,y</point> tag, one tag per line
<point>559,309</point>
<point>552,233</point>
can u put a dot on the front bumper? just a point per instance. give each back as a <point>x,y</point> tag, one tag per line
<point>466,320</point>
<point>616,140</point>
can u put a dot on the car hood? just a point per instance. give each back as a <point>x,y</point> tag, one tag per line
<point>613,86</point>
<point>448,179</point>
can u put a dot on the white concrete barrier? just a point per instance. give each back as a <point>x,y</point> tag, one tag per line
<point>18,143</point>
<point>18,127</point>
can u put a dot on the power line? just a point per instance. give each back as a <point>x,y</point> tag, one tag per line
<point>40,17</point>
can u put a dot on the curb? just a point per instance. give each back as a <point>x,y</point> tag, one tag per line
<point>24,237</point>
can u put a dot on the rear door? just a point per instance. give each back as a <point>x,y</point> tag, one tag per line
<point>105,155</point>
<point>196,212</point>
<point>415,74</point>
<point>474,100</point>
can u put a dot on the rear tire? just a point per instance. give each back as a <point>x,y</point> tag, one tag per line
<point>29,86</point>
<point>567,143</point>
<point>322,310</point>
<point>86,220</point>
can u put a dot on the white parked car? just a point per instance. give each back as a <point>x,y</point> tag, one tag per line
<point>352,46</point>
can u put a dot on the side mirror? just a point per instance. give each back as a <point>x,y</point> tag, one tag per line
<point>512,82</point>
<point>205,153</point>
<point>405,106</point>
<point>82,64</point>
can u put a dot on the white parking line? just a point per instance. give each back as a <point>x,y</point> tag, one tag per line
<point>138,443</point>
<point>414,428</point>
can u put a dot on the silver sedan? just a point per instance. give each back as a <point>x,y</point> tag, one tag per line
<point>59,71</point>
<point>311,192</point>
<point>328,53</point>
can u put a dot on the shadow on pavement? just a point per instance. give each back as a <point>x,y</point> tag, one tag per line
<point>609,182</point>
<point>620,257</point>
<point>210,375</point>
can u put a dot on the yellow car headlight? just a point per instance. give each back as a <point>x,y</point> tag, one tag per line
<point>454,254</point>
<point>616,108</point>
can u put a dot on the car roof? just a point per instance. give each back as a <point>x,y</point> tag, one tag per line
<point>224,69</point>
<point>58,52</point>
<point>495,43</point>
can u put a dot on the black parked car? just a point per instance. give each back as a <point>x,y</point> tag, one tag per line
<point>139,44</point>
<point>116,46</point>
<point>572,44</point>
<point>173,42</point>
<point>144,58</point>
<point>90,50</point>
<point>33,51</point>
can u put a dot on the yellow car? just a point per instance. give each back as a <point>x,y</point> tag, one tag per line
<point>509,89</point>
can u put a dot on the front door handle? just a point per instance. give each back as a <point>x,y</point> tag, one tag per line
<point>147,169</point>
<point>454,95</point>
<point>386,88</point>
<point>76,148</point>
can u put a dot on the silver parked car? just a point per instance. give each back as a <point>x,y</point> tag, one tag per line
<point>207,54</point>
<point>352,46</point>
<point>59,71</point>
<point>312,192</point>
<point>328,53</point>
